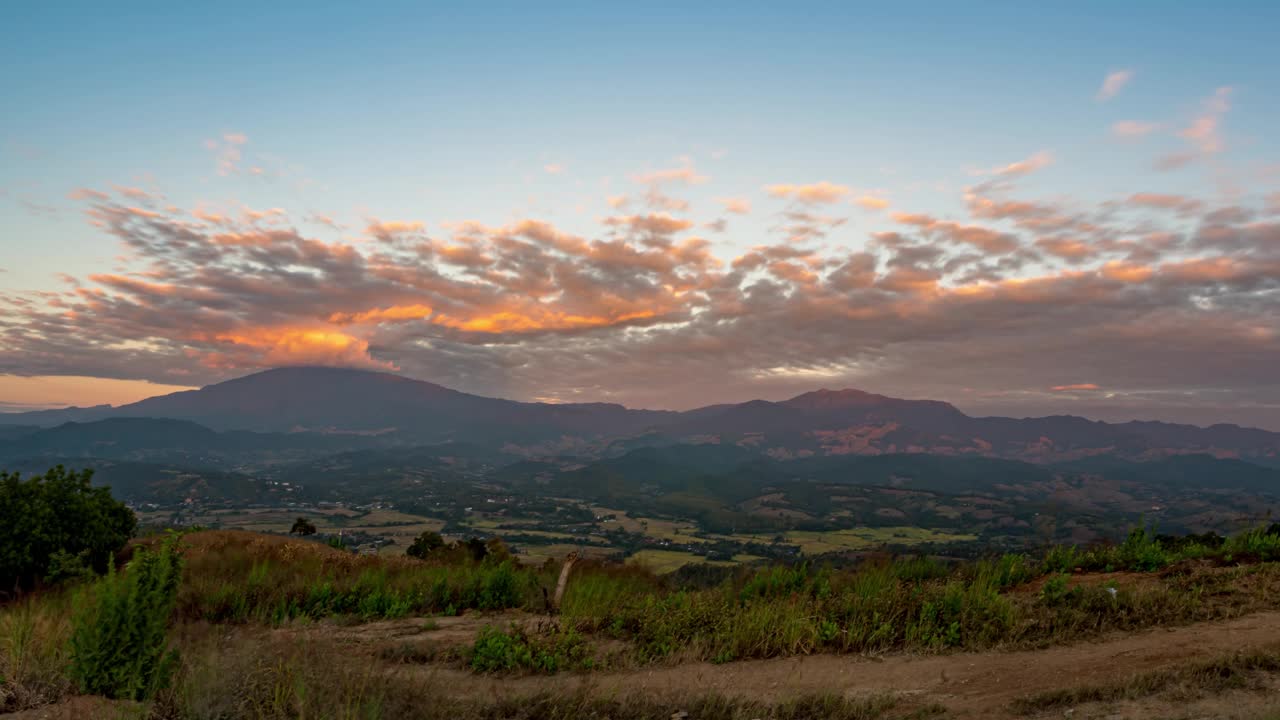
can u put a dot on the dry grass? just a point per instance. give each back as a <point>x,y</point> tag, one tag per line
<point>1185,682</point>
<point>33,656</point>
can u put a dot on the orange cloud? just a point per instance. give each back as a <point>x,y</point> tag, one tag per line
<point>516,322</point>
<point>393,313</point>
<point>1038,161</point>
<point>1126,272</point>
<point>738,206</point>
<point>659,223</point>
<point>1065,248</point>
<point>686,174</point>
<point>1203,269</point>
<point>871,202</point>
<point>1078,386</point>
<point>982,238</point>
<point>379,228</point>
<point>304,346</point>
<point>815,193</point>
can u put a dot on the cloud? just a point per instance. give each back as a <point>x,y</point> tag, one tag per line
<point>1177,203</point>
<point>1133,129</point>
<point>1149,292</point>
<point>87,194</point>
<point>983,238</point>
<point>819,193</point>
<point>553,168</point>
<point>1076,387</point>
<point>227,151</point>
<point>685,174</point>
<point>737,206</point>
<point>1203,131</point>
<point>1112,84</point>
<point>871,202</point>
<point>1203,134</point>
<point>1037,161</point>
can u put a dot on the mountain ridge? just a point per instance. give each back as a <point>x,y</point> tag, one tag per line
<point>820,422</point>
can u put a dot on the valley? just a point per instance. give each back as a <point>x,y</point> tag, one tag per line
<point>752,482</point>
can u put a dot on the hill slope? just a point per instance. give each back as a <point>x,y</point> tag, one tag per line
<point>824,422</point>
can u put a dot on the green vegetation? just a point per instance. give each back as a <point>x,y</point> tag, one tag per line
<point>549,650</point>
<point>119,641</point>
<point>302,526</point>
<point>55,525</point>
<point>183,626</point>
<point>239,577</point>
<point>425,544</point>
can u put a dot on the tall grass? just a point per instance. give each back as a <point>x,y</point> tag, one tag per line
<point>33,657</point>
<point>119,639</point>
<point>237,577</point>
<point>914,604</point>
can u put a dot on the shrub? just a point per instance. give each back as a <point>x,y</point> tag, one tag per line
<point>549,651</point>
<point>425,544</point>
<point>57,514</point>
<point>302,526</point>
<point>119,643</point>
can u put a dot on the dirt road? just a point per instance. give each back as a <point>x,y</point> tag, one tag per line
<point>969,685</point>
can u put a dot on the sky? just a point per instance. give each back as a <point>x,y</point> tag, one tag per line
<point>1020,209</point>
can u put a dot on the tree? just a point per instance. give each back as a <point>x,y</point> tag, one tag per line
<point>424,544</point>
<point>302,526</point>
<point>57,514</point>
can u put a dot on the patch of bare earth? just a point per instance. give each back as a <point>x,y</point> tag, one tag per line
<point>969,685</point>
<point>81,708</point>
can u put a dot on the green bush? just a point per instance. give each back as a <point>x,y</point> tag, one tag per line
<point>550,651</point>
<point>57,514</point>
<point>119,636</point>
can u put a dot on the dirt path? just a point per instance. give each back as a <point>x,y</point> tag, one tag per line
<point>970,685</point>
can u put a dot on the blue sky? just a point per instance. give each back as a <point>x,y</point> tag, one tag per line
<point>493,113</point>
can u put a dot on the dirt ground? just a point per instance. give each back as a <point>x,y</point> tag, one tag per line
<point>969,685</point>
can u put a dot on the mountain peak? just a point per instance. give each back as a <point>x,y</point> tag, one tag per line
<point>847,397</point>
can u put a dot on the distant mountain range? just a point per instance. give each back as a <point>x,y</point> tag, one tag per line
<point>311,409</point>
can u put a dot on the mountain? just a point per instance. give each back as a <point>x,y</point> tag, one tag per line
<point>335,401</point>
<point>342,404</point>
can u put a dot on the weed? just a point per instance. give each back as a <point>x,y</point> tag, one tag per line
<point>119,642</point>
<point>547,651</point>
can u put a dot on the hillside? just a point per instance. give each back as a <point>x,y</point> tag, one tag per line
<point>342,403</point>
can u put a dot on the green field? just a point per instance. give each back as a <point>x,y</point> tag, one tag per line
<point>816,543</point>
<point>665,561</point>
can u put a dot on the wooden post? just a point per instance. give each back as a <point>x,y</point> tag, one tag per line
<point>564,581</point>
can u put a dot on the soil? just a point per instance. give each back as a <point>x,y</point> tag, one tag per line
<point>969,685</point>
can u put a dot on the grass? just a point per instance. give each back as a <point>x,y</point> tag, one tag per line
<point>34,635</point>
<point>1190,681</point>
<point>547,650</point>
<point>400,527</point>
<point>915,604</point>
<point>237,577</point>
<point>815,542</point>
<point>665,561</point>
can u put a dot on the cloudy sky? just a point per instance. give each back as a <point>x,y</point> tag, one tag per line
<point>1017,209</point>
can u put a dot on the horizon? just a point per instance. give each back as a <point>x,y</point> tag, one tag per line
<point>779,399</point>
<point>1022,211</point>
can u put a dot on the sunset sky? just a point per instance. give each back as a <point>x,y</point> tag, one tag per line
<point>1017,209</point>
